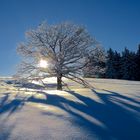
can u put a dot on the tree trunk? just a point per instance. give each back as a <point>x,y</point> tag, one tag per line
<point>59,82</point>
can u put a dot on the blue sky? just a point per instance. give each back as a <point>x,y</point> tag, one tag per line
<point>114,23</point>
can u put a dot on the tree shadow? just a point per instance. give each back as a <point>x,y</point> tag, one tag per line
<point>117,81</point>
<point>5,132</point>
<point>77,119</point>
<point>7,108</point>
<point>8,105</point>
<point>118,117</point>
<point>29,85</point>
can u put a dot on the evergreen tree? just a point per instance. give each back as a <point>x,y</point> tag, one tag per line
<point>113,64</point>
<point>117,65</point>
<point>125,65</point>
<point>110,68</point>
<point>138,64</point>
<point>128,65</point>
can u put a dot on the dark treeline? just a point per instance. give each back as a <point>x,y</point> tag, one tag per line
<point>114,65</point>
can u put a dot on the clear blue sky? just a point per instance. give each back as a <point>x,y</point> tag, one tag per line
<point>114,23</point>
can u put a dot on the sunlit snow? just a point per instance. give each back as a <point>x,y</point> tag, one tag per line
<point>109,111</point>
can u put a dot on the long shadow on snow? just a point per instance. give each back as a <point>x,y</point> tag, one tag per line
<point>77,119</point>
<point>114,112</point>
<point>10,105</point>
<point>29,85</point>
<point>120,122</point>
<point>5,129</point>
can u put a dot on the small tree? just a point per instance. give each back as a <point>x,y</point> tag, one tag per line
<point>55,50</point>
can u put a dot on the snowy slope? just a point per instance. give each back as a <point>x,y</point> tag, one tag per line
<point>109,111</point>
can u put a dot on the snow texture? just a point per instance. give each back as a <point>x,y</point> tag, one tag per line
<point>109,111</point>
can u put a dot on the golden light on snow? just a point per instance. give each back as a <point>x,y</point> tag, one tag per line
<point>43,63</point>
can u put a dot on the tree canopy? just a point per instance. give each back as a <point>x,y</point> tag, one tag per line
<point>64,47</point>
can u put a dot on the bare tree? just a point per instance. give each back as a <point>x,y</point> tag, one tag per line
<point>96,66</point>
<point>55,50</point>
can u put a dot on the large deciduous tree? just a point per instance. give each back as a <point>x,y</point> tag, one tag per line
<point>61,48</point>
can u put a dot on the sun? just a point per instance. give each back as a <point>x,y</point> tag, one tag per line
<point>43,63</point>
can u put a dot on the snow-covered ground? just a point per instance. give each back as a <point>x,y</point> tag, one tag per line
<point>109,111</point>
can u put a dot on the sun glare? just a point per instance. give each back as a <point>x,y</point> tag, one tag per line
<point>43,63</point>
